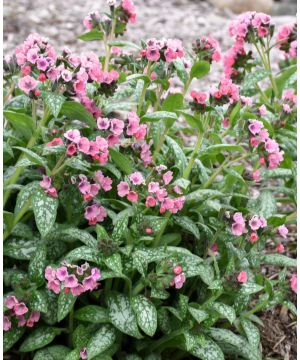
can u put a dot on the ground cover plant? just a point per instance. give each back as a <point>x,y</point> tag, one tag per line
<point>121,240</point>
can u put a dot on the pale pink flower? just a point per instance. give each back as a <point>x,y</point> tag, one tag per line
<point>46,182</point>
<point>77,290</point>
<point>62,273</point>
<point>262,110</point>
<point>50,273</point>
<point>136,178</point>
<point>179,280</point>
<point>95,213</point>
<point>22,321</point>
<point>73,135</point>
<point>255,126</point>
<point>153,187</point>
<point>263,222</point>
<point>286,108</point>
<point>150,201</point>
<point>167,177</point>
<point>123,188</point>
<point>70,281</point>
<point>84,145</point>
<point>238,218</point>
<point>256,175</point>
<point>271,146</point>
<point>27,84</point>
<point>6,323</point>
<point>89,283</point>
<point>83,353</point>
<point>293,283</point>
<point>238,229</point>
<point>283,231</point>
<point>95,273</point>
<point>133,196</point>
<point>242,277</point>
<point>20,309</point>
<point>54,285</point>
<point>11,301</point>
<point>255,222</point>
<point>103,123</point>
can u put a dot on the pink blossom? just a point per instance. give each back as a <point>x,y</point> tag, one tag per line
<point>133,196</point>
<point>62,273</point>
<point>11,301</point>
<point>42,64</point>
<point>253,237</point>
<point>280,248</point>
<point>52,192</point>
<point>83,353</point>
<point>77,290</point>
<point>153,187</point>
<point>136,178</point>
<point>112,140</point>
<point>177,189</point>
<point>238,229</point>
<point>73,135</point>
<point>84,145</point>
<point>199,97</point>
<point>95,273</point>
<point>161,194</point>
<point>27,84</point>
<point>116,51</point>
<point>150,201</point>
<point>177,270</point>
<point>50,273</point>
<point>254,142</point>
<point>152,54</point>
<point>104,181</point>
<point>262,110</point>
<point>94,214</point>
<point>283,231</point>
<point>293,283</point>
<point>71,149</point>
<point>275,159</point>
<point>286,108</point>
<point>123,188</point>
<point>263,222</point>
<point>32,55</point>
<point>46,182</point>
<point>242,277</point>
<point>255,222</point>
<point>262,31</point>
<point>167,177</point>
<point>103,123</point>
<point>179,280</point>
<point>246,100</point>
<point>6,323</point>
<point>89,283</point>
<point>256,175</point>
<point>238,218</point>
<point>255,126</point>
<point>271,146</point>
<point>20,309</point>
<point>70,281</point>
<point>263,135</point>
<point>35,316</point>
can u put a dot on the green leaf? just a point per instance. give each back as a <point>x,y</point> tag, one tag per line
<point>124,43</point>
<point>121,315</point>
<point>101,341</point>
<point>73,355</point>
<point>114,262</point>
<point>83,253</point>
<point>39,301</point>
<point>251,331</point>
<point>249,288</point>
<point>207,351</point>
<point>54,101</point>
<point>198,314</point>
<point>120,229</point>
<point>235,114</point>
<point>122,161</point>
<point>159,115</point>
<point>91,35</point>
<point>187,224</point>
<point>145,313</point>
<point>216,149</point>
<point>181,71</point>
<point>39,338</point>
<point>81,235</point>
<point>65,304</point>
<point>37,264</point>
<point>56,352</point>
<point>251,79</point>
<point>194,122</point>
<point>202,195</point>
<point>44,209</point>
<point>11,337</point>
<point>278,259</point>
<point>264,205</point>
<point>200,69</point>
<point>19,249</point>
<point>92,313</point>
<point>173,102</point>
<point>282,79</point>
<point>178,154</point>
<point>75,111</point>
<point>101,233</point>
<point>32,156</point>
<point>225,310</point>
<point>21,122</point>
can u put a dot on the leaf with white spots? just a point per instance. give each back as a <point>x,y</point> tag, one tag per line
<point>81,235</point>
<point>92,313</point>
<point>249,288</point>
<point>73,355</point>
<point>44,208</point>
<point>84,253</point>
<point>11,337</point>
<point>38,264</point>
<point>198,314</point>
<point>120,229</point>
<point>225,310</point>
<point>38,301</point>
<point>145,313</point>
<point>32,156</point>
<point>251,332</point>
<point>25,195</point>
<point>20,249</point>
<point>179,157</point>
<point>65,304</point>
<point>54,101</point>
<point>207,351</point>
<point>114,262</point>
<point>122,316</point>
<point>56,352</point>
<point>101,341</point>
<point>39,338</point>
<point>187,224</point>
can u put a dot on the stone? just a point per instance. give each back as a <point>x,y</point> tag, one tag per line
<point>240,6</point>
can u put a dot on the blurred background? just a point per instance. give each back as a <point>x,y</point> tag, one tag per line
<point>61,21</point>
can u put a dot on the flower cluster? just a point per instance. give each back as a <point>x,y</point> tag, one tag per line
<point>165,50</point>
<point>287,40</point>
<point>207,48</point>
<point>46,184</point>
<point>260,135</point>
<point>179,278</point>
<point>255,223</point>
<point>199,100</point>
<point>227,92</point>
<point>19,312</point>
<point>289,101</point>
<point>72,278</point>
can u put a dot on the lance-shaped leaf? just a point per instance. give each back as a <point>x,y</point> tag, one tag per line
<point>145,313</point>
<point>101,341</point>
<point>37,264</point>
<point>11,336</point>
<point>54,101</point>
<point>65,304</point>
<point>39,338</point>
<point>56,352</point>
<point>122,162</point>
<point>92,313</point>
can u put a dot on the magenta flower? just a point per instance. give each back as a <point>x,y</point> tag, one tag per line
<point>83,353</point>
<point>152,54</point>
<point>103,123</point>
<point>238,218</point>
<point>54,285</point>
<point>238,229</point>
<point>73,135</point>
<point>50,273</point>
<point>94,214</point>
<point>71,150</point>
<point>84,145</point>
<point>77,290</point>
<point>89,283</point>
<point>116,126</point>
<point>62,273</point>
<point>95,273</point>
<point>242,277</point>
<point>42,64</point>
<point>70,281</point>
<point>123,189</point>
<point>255,126</point>
<point>27,84</point>
<point>179,280</point>
<point>104,181</point>
<point>136,178</point>
<point>46,182</point>
<point>255,222</point>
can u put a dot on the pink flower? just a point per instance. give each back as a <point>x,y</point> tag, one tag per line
<point>133,196</point>
<point>262,31</point>
<point>116,126</point>
<point>22,321</point>
<point>255,222</point>
<point>42,64</point>
<point>83,353</point>
<point>255,126</point>
<point>20,309</point>
<point>256,175</point>
<point>95,273</point>
<point>254,142</point>
<point>62,273</point>
<point>242,277</point>
<point>35,316</point>
<point>103,123</point>
<point>238,218</point>
<point>50,273</point>
<point>280,248</point>
<point>55,142</point>
<point>116,51</point>
<point>6,323</point>
<point>27,84</point>
<point>263,135</point>
<point>283,231</point>
<point>136,178</point>
<point>177,189</point>
<point>167,177</point>
<point>179,280</point>
<point>253,237</point>
<point>286,108</point>
<point>161,194</point>
<point>104,181</point>
<point>11,301</point>
<point>199,97</point>
<point>123,188</point>
<point>54,285</point>
<point>70,281</point>
<point>84,145</point>
<point>77,290</point>
<point>89,283</point>
<point>46,182</point>
<point>52,192</point>
<point>263,222</point>
<point>293,283</point>
<point>73,135</point>
<point>32,56</point>
<point>238,229</point>
<point>71,149</point>
<point>271,146</point>
<point>150,201</point>
<point>153,187</point>
<point>95,213</point>
<point>177,270</point>
<point>152,54</point>
<point>262,110</point>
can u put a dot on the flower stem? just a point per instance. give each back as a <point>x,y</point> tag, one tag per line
<point>142,98</point>
<point>188,169</point>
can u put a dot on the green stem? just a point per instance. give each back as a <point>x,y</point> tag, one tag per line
<point>138,288</point>
<point>16,219</point>
<point>188,169</point>
<point>19,171</point>
<point>143,94</point>
<point>58,164</point>
<point>160,143</point>
<point>225,164</point>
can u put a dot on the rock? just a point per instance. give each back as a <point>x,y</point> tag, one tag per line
<point>240,6</point>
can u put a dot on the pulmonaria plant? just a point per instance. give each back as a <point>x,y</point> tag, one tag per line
<point>119,169</point>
